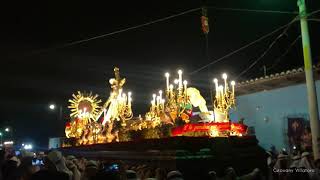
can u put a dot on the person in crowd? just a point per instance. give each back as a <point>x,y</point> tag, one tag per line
<point>60,163</point>
<point>91,170</point>
<point>294,175</point>
<point>161,174</point>
<point>27,168</point>
<point>255,174</point>
<point>2,160</point>
<point>212,175</point>
<point>49,172</point>
<point>10,168</point>
<point>295,162</point>
<point>306,139</point>
<point>76,175</point>
<point>270,163</point>
<point>307,163</point>
<point>230,174</point>
<point>281,163</point>
<point>148,173</point>
<point>174,175</point>
<point>317,165</point>
<point>131,175</point>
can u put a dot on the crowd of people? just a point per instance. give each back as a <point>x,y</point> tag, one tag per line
<point>53,165</point>
<point>295,166</point>
<point>31,166</point>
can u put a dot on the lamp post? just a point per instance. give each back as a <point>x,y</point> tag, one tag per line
<point>311,90</point>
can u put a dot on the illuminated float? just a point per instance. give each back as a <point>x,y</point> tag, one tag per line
<point>170,114</point>
<point>171,135</point>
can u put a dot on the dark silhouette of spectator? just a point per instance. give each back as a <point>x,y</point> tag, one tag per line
<point>174,175</point>
<point>161,174</point>
<point>10,168</point>
<point>49,172</point>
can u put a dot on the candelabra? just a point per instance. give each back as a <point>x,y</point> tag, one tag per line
<point>224,99</point>
<point>124,107</point>
<point>175,103</point>
<point>157,107</point>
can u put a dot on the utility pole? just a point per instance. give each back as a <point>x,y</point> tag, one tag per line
<point>311,90</point>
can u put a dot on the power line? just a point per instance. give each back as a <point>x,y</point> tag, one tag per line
<point>268,49</point>
<point>119,31</point>
<point>313,12</point>
<point>312,19</point>
<point>255,10</point>
<point>149,23</point>
<point>270,46</point>
<point>285,53</point>
<point>241,48</point>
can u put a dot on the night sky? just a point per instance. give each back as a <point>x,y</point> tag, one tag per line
<point>37,70</point>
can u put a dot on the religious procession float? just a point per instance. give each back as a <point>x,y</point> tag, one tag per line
<point>171,113</point>
<point>178,131</point>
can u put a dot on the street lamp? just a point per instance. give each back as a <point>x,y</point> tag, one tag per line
<point>52,107</point>
<point>7,129</point>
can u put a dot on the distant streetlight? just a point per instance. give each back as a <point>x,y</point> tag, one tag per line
<point>27,146</point>
<point>1,137</point>
<point>52,106</point>
<point>7,129</point>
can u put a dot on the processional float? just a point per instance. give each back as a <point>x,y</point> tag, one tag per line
<point>171,109</point>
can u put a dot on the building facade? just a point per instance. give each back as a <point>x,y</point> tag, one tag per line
<point>269,105</point>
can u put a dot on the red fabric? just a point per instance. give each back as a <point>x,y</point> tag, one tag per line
<point>204,127</point>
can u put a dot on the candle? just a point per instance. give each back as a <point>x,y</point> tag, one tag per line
<point>167,81</point>
<point>224,76</point>
<point>215,80</point>
<point>154,97</point>
<point>158,103</point>
<point>185,82</point>
<point>152,105</point>
<point>171,90</point>
<point>160,94</point>
<point>233,83</point>
<point>221,94</point>
<point>180,78</point>
<point>162,102</point>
